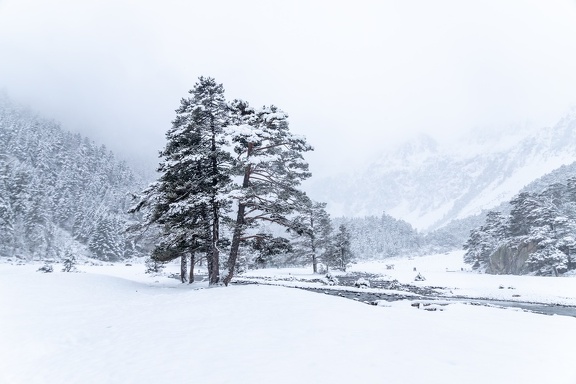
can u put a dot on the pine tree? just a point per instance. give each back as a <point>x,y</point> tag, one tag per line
<point>6,220</point>
<point>339,254</point>
<point>483,241</point>
<point>522,214</point>
<point>38,225</point>
<point>188,200</point>
<point>266,249</point>
<point>313,233</point>
<point>106,241</point>
<point>271,165</point>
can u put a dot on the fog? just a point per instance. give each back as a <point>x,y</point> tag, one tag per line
<point>355,78</point>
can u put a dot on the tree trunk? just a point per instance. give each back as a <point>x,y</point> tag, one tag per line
<point>192,265</point>
<point>183,268</point>
<point>214,273</point>
<point>314,258</point>
<point>238,231</point>
<point>214,257</point>
<point>239,227</point>
<point>209,265</point>
<point>313,245</point>
<point>314,263</point>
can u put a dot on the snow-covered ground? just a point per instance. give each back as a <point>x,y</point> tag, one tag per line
<point>114,324</point>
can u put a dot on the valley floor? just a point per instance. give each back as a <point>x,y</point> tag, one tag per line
<point>114,324</point>
<point>449,272</point>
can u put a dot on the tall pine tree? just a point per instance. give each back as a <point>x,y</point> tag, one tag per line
<point>339,253</point>
<point>189,198</point>
<point>314,234</point>
<point>271,164</point>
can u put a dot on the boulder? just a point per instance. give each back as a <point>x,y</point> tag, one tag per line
<point>507,260</point>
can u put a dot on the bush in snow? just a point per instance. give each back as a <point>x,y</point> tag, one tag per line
<point>419,277</point>
<point>331,280</point>
<point>46,268</point>
<point>69,264</point>
<point>153,266</point>
<point>362,283</point>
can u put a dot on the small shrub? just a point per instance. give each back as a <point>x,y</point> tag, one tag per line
<point>46,268</point>
<point>153,266</point>
<point>331,280</point>
<point>362,283</point>
<point>69,264</point>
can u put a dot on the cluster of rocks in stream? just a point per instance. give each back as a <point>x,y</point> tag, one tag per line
<point>359,280</point>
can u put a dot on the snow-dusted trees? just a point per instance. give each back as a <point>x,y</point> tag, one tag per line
<point>271,166</point>
<point>546,221</point>
<point>188,201</point>
<point>381,237</point>
<point>54,186</point>
<point>312,234</point>
<point>7,218</point>
<point>485,239</point>
<point>339,254</point>
<point>263,250</point>
<point>106,241</point>
<point>218,156</point>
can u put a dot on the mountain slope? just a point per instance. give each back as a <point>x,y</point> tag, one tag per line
<point>430,185</point>
<point>60,193</point>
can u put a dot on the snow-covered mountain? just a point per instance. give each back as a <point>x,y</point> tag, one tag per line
<point>61,193</point>
<point>430,184</point>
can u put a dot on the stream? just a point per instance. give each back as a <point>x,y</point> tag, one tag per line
<point>421,296</point>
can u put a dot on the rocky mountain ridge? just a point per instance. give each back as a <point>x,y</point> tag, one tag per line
<point>429,184</point>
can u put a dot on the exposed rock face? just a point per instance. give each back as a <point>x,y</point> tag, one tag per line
<point>511,261</point>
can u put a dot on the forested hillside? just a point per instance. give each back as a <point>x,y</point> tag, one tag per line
<point>60,193</point>
<point>536,237</point>
<point>375,237</point>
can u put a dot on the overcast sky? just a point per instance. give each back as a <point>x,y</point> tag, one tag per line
<point>353,76</point>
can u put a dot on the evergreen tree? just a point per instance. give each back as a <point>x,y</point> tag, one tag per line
<point>483,241</point>
<point>6,220</point>
<point>522,214</point>
<point>313,233</point>
<point>271,165</point>
<point>339,254</point>
<point>188,200</point>
<point>106,241</point>
<point>267,250</point>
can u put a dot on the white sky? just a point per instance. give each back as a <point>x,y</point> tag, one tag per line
<point>353,76</point>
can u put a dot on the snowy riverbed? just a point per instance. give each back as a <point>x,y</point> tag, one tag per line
<point>449,272</point>
<point>114,324</point>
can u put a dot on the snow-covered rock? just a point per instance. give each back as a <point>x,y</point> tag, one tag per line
<point>362,283</point>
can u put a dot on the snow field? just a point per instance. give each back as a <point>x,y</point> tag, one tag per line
<point>97,328</point>
<point>448,270</point>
